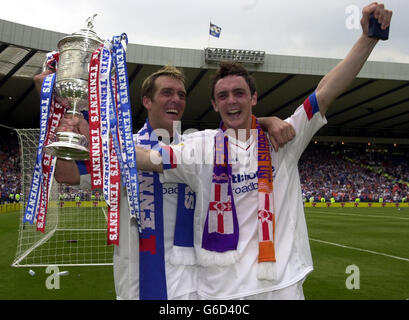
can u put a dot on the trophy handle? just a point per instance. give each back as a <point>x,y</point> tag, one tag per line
<point>124,41</point>
<point>50,62</point>
<point>90,21</point>
<point>45,66</point>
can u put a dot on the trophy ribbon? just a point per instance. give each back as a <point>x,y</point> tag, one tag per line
<point>116,165</point>
<point>104,162</point>
<point>114,195</point>
<point>105,101</point>
<point>35,188</point>
<point>94,122</point>
<point>48,164</point>
<point>113,119</point>
<point>125,126</point>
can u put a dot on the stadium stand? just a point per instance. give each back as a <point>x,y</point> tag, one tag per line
<point>357,172</point>
<point>10,178</point>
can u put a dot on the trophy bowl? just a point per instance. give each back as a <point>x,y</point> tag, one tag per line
<point>71,89</point>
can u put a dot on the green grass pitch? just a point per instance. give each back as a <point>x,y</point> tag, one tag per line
<point>374,240</point>
<point>70,244</point>
<point>88,283</point>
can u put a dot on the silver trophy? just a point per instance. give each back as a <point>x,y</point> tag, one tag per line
<point>71,89</point>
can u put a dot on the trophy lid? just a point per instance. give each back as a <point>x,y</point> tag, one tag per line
<point>83,34</point>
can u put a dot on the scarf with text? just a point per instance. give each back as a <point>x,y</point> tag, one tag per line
<point>152,271</point>
<point>50,115</point>
<point>221,229</point>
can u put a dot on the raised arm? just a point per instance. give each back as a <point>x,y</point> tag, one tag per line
<point>340,78</point>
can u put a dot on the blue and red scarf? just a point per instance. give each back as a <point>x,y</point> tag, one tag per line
<point>152,271</point>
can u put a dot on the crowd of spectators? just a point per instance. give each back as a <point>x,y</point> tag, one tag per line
<point>72,193</point>
<point>350,174</point>
<point>10,177</point>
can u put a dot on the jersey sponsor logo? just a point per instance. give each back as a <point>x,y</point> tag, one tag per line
<point>238,178</point>
<point>189,198</point>
<point>246,182</point>
<point>248,188</point>
<point>170,190</point>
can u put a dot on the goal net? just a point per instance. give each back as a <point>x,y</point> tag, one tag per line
<point>76,222</point>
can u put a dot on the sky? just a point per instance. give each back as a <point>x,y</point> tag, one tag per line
<point>314,28</point>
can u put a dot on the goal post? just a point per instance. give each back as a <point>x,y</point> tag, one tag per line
<point>76,222</point>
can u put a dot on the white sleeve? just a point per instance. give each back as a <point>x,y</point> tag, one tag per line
<point>306,120</point>
<point>85,182</point>
<point>183,162</point>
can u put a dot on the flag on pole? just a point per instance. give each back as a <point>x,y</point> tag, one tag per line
<point>214,30</point>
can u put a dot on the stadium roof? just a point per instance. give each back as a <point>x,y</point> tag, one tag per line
<point>376,104</point>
